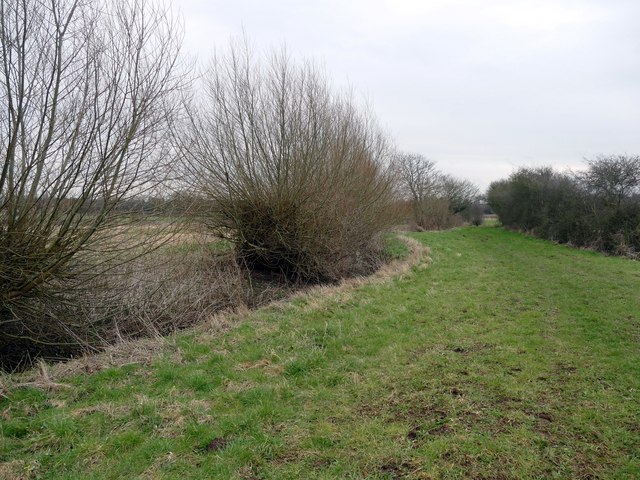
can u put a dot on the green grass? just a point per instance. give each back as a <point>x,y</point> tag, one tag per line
<point>507,357</point>
<point>394,247</point>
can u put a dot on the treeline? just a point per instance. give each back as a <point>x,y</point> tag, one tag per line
<point>596,208</point>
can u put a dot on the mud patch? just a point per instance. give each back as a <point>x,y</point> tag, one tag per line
<point>217,444</point>
<point>423,433</point>
<point>397,470</point>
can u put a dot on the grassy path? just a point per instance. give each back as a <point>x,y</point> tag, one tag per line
<point>508,357</point>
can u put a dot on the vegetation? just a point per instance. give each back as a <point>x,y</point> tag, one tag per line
<point>436,200</point>
<point>289,172</point>
<point>491,362</point>
<point>85,88</point>
<point>111,152</point>
<point>296,176</point>
<point>132,205</point>
<point>598,208</point>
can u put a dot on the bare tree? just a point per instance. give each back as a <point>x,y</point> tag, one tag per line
<point>86,88</point>
<point>614,178</point>
<point>418,176</point>
<point>295,173</point>
<point>435,198</point>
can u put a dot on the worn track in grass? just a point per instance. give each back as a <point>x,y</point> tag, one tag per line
<point>508,357</point>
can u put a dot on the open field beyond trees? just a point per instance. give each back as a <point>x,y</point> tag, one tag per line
<point>502,356</point>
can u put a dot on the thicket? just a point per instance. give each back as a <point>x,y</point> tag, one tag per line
<point>434,200</point>
<point>86,89</point>
<point>296,175</point>
<point>597,208</point>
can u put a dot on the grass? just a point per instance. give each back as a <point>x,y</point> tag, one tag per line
<point>217,246</point>
<point>507,357</point>
<point>394,247</point>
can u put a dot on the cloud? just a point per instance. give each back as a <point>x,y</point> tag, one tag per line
<point>480,86</point>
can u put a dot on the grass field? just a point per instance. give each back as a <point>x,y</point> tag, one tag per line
<point>506,357</point>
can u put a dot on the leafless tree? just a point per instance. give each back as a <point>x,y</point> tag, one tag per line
<point>614,178</point>
<point>87,90</point>
<point>419,179</point>
<point>434,197</point>
<point>296,174</point>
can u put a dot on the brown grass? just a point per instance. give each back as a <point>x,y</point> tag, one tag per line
<point>143,351</point>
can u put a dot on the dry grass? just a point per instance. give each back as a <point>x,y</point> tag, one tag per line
<point>142,351</point>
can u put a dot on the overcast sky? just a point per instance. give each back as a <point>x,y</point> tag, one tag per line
<point>479,86</point>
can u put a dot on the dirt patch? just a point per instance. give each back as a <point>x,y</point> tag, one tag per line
<point>270,369</point>
<point>396,469</point>
<point>18,470</point>
<point>414,434</point>
<point>108,409</point>
<point>542,422</point>
<point>544,416</point>
<point>217,444</point>
<point>420,433</point>
<point>237,387</point>
<point>455,392</point>
<point>321,463</point>
<point>470,348</point>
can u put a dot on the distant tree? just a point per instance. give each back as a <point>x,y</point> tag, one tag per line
<point>460,193</point>
<point>613,177</point>
<point>475,213</point>
<point>417,175</point>
<point>418,182</point>
<point>435,198</point>
<point>599,208</point>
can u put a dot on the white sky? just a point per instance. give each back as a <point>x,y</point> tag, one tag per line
<point>479,86</point>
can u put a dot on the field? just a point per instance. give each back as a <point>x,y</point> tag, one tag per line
<point>500,357</point>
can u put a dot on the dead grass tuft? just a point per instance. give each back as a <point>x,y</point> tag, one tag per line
<point>19,470</point>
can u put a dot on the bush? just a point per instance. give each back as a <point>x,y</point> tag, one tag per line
<point>475,214</point>
<point>152,295</point>
<point>86,97</point>
<point>434,213</point>
<point>599,208</point>
<point>297,175</point>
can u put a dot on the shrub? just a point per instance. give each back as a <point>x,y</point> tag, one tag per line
<point>296,174</point>
<point>475,214</point>
<point>86,96</point>
<point>149,296</point>
<point>598,208</point>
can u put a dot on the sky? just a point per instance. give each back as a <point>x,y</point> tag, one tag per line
<point>481,87</point>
